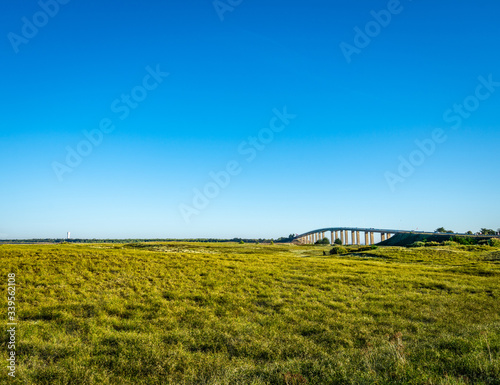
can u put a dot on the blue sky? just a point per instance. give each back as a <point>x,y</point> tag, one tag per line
<point>346,156</point>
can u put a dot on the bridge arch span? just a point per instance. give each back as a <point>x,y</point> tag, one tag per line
<point>348,235</point>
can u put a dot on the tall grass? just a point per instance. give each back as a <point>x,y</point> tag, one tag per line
<point>177,313</point>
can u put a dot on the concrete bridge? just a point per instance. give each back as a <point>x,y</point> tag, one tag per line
<point>352,235</point>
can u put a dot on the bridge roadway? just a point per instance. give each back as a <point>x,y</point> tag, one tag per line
<point>342,233</point>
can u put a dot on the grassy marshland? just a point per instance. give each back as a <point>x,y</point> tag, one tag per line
<point>201,313</point>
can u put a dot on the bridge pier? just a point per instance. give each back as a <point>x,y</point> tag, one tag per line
<point>372,238</point>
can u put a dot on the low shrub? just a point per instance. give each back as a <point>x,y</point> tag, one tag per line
<point>464,240</point>
<point>432,243</point>
<point>450,243</point>
<point>338,250</point>
<point>495,242</point>
<point>323,241</point>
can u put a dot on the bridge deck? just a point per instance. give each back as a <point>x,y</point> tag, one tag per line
<point>389,231</point>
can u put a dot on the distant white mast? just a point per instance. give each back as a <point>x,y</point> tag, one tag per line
<point>69,235</point>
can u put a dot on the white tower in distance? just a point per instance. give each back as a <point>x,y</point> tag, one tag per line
<point>69,235</point>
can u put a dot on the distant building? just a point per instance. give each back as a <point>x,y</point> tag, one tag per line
<point>69,235</point>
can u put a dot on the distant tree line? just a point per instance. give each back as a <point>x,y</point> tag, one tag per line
<point>483,231</point>
<point>288,239</point>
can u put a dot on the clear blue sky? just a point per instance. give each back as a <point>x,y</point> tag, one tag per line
<point>335,163</point>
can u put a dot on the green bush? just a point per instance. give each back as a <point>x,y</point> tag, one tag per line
<point>432,243</point>
<point>374,247</point>
<point>338,241</point>
<point>495,242</point>
<point>464,240</point>
<point>450,243</point>
<point>337,250</point>
<point>323,241</point>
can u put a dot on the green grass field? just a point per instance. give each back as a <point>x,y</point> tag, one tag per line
<point>201,313</point>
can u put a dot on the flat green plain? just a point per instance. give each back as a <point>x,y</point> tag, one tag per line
<point>227,313</point>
